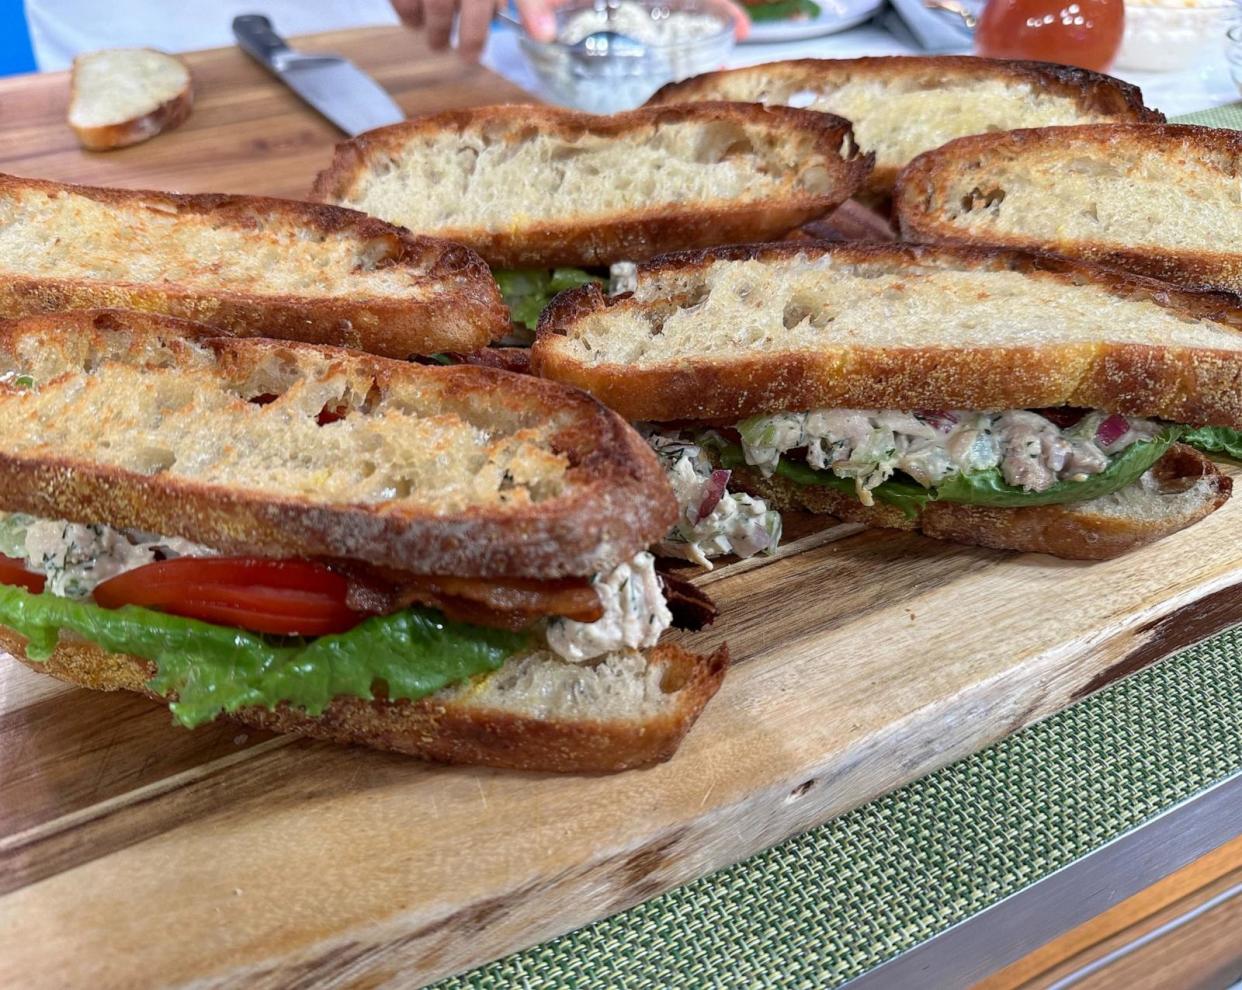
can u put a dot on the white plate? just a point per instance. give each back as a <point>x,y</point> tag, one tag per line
<point>834,16</point>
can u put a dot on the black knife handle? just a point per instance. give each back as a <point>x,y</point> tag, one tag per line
<point>257,37</point>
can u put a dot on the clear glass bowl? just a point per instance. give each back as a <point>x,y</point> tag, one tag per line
<point>1170,35</point>
<point>604,79</point>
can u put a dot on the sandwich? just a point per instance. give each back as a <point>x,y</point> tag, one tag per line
<point>903,105</point>
<point>446,562</point>
<point>1158,200</point>
<point>244,264</point>
<point>982,396</point>
<point>552,199</point>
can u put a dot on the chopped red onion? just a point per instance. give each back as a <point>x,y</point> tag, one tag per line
<point>1062,416</point>
<point>716,485</point>
<point>938,419</point>
<point>1111,430</point>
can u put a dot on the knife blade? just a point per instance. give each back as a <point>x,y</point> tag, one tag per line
<point>334,86</point>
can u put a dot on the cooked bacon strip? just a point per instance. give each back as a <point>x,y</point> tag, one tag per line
<point>691,607</point>
<point>505,603</point>
<point>573,598</point>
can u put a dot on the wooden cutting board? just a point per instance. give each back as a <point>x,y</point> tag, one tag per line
<point>133,853</point>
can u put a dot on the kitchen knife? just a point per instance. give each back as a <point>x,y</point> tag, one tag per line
<point>334,86</point>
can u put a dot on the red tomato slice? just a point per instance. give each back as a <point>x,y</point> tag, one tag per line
<point>13,571</point>
<point>285,597</point>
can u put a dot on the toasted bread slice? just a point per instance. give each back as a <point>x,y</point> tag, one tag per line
<point>903,105</point>
<point>1182,488</point>
<point>730,332</point>
<point>248,265</point>
<point>279,449</point>
<point>122,96</point>
<point>537,712</point>
<point>533,186</point>
<point>1161,201</point>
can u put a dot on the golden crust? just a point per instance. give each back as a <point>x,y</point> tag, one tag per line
<point>635,235</point>
<point>446,731</point>
<point>617,500</point>
<point>1094,92</point>
<point>1192,386</point>
<point>1072,531</point>
<point>925,182</point>
<point>469,317</point>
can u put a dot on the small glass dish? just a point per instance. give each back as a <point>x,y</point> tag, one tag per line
<point>661,41</point>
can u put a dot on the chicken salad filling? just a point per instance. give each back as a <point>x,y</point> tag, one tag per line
<point>635,614</point>
<point>75,558</point>
<point>712,521</point>
<point>1032,451</point>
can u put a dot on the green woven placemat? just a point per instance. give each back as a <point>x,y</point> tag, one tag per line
<point>844,897</point>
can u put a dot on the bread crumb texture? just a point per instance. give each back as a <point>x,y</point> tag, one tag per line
<point>110,236</point>
<point>501,173</point>
<point>731,309</point>
<point>899,114</point>
<point>292,422</point>
<point>1068,186</point>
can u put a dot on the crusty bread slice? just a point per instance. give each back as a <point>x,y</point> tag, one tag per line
<point>249,265</point>
<point>122,96</point>
<point>903,105</point>
<point>726,333</point>
<point>1182,488</point>
<point>142,422</point>
<point>1162,201</point>
<point>530,186</point>
<point>537,712</point>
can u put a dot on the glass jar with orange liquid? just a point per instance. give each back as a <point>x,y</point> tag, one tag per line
<point>1086,33</point>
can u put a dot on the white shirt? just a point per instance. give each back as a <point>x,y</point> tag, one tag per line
<point>61,29</point>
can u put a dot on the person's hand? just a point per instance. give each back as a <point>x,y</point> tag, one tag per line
<point>475,18</point>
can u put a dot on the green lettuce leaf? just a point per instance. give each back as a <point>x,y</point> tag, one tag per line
<point>782,10</point>
<point>1215,440</point>
<point>990,488</point>
<point>215,669</point>
<point>979,487</point>
<point>528,292</point>
<point>905,495</point>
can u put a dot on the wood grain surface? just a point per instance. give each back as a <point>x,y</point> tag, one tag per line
<point>247,132</point>
<point>1182,931</point>
<point>133,853</point>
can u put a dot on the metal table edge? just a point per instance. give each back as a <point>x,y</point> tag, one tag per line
<point>991,939</point>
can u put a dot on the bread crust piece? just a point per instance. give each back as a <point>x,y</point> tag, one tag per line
<point>634,235</point>
<point>1094,92</point>
<point>615,499</point>
<point>1189,385</point>
<point>465,314</point>
<point>171,113</point>
<point>448,727</point>
<point>925,182</point>
<point>1077,531</point>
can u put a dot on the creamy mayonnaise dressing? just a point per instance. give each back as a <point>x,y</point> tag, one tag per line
<point>635,614</point>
